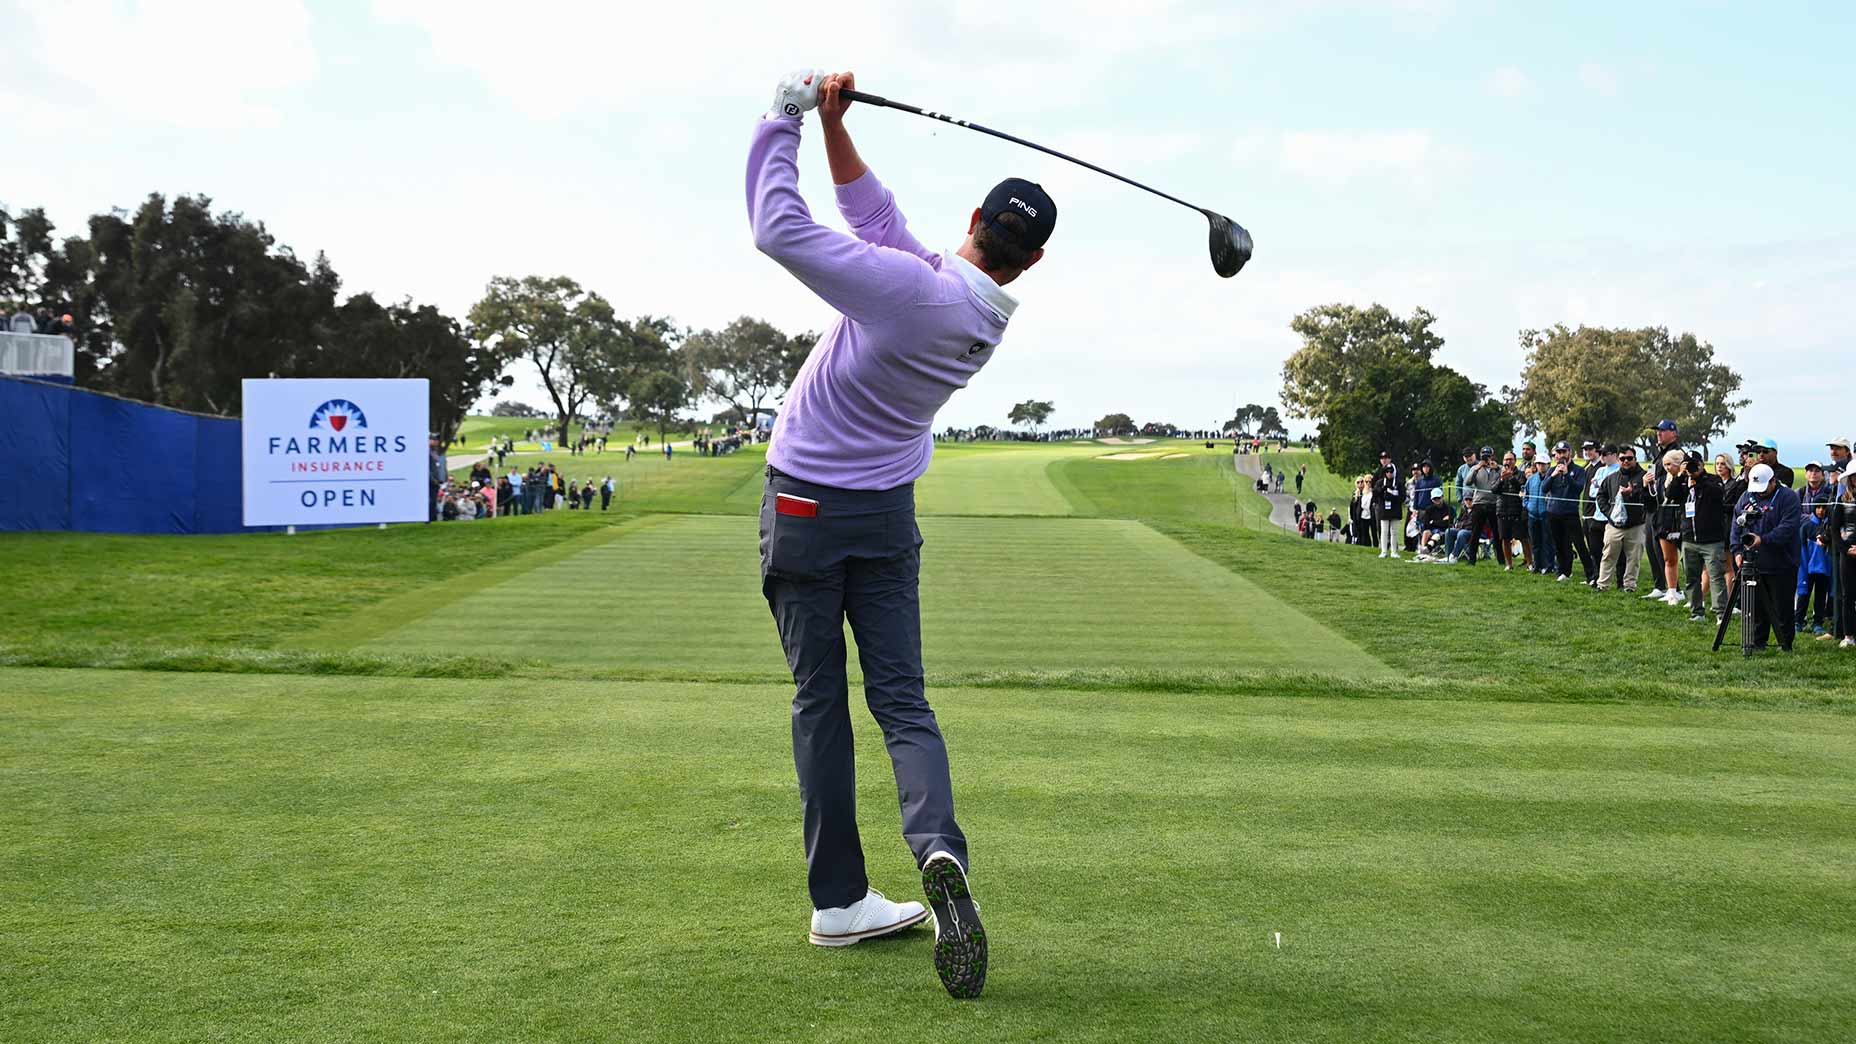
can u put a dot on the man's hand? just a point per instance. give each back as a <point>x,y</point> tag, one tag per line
<point>830,106</point>
<point>1755,537</point>
<point>797,92</point>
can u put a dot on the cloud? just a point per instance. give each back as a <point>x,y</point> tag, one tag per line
<point>1510,82</point>
<point>189,63</point>
<point>1338,157</point>
<point>1598,79</point>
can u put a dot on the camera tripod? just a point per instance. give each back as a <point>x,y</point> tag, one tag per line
<point>1746,594</point>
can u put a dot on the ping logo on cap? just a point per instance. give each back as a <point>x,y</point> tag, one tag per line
<point>1022,205</point>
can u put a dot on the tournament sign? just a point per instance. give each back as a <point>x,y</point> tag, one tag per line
<point>329,451</point>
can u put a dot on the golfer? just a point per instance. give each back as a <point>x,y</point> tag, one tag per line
<point>838,537</point>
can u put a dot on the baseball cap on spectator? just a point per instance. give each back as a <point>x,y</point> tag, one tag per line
<point>1767,444</point>
<point>1665,425</point>
<point>1563,445</point>
<point>1814,466</point>
<point>1759,479</point>
<point>1588,443</point>
<point>1841,442</point>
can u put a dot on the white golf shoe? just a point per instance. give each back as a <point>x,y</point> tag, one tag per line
<point>867,918</point>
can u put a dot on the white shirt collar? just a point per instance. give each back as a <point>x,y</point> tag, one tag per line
<point>982,285</point>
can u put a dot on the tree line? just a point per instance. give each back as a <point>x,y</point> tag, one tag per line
<point>1367,376</point>
<point>175,305</point>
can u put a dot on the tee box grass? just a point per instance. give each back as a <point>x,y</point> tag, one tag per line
<point>530,778</point>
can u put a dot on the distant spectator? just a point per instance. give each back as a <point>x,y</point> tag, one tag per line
<point>1461,539</point>
<point>1625,497</point>
<point>62,325</point>
<point>1360,512</point>
<point>1813,571</point>
<point>1388,505</point>
<point>1665,518</point>
<point>605,493</point>
<point>1843,518</point>
<point>1704,534</point>
<point>1539,531</point>
<point>22,322</point>
<point>1462,478</point>
<point>1773,554</point>
<point>1769,456</point>
<point>1840,456</point>
<point>1596,517</point>
<point>1564,483</point>
<point>1815,488</point>
<point>42,322</point>
<point>1510,511</point>
<point>1482,499</point>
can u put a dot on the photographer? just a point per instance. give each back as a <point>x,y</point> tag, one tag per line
<point>1480,489</point>
<point>1765,539</point>
<point>1704,534</point>
<point>1625,497</point>
<point>1565,482</point>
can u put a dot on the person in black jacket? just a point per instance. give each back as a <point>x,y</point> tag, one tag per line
<point>1772,543</point>
<point>1704,533</point>
<point>1625,498</point>
<point>1388,506</point>
<point>1565,482</point>
<point>1510,512</point>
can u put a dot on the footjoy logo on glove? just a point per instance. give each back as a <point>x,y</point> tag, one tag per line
<point>793,110</point>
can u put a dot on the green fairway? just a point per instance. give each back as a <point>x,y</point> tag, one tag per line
<point>530,778</point>
<point>336,859</point>
<point>682,598</point>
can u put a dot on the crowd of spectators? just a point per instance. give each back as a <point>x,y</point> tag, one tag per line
<point>24,321</point>
<point>1606,513</point>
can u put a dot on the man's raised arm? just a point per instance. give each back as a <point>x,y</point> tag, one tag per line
<point>868,207</point>
<point>861,280</point>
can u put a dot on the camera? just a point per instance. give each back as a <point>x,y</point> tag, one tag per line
<point>1748,519</point>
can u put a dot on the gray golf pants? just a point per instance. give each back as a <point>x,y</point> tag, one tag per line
<point>1711,558</point>
<point>858,558</point>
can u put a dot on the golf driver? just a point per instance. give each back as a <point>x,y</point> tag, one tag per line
<point>1230,243</point>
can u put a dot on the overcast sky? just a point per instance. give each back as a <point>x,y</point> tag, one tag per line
<point>1685,164</point>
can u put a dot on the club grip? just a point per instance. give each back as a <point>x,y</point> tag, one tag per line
<point>859,96</point>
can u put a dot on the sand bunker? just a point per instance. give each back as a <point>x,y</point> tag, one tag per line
<point>1175,456</point>
<point>1126,456</point>
<point>1116,440</point>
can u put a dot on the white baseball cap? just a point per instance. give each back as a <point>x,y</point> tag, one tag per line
<point>1843,441</point>
<point>1759,479</point>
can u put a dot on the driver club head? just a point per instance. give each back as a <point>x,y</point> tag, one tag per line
<point>1230,244</point>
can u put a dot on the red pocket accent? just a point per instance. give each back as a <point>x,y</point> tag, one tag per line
<point>787,504</point>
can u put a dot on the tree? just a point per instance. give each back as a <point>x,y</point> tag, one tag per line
<point>1611,385</point>
<point>1368,377</point>
<point>1270,423</point>
<point>364,339</point>
<point>656,398</point>
<point>1031,412</point>
<point>1116,424</point>
<point>745,363</point>
<point>1339,342</point>
<point>569,335</point>
<point>515,409</point>
<point>1245,419</point>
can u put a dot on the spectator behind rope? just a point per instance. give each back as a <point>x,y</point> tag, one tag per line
<point>1564,483</point>
<point>1482,499</point>
<point>1510,512</point>
<point>1704,534</point>
<point>1625,496</point>
<point>1770,547</point>
<point>1539,534</point>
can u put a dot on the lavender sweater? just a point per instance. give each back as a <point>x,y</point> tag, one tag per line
<point>913,327</point>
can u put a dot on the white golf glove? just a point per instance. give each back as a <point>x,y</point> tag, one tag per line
<point>797,93</point>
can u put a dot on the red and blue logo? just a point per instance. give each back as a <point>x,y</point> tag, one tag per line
<point>337,415</point>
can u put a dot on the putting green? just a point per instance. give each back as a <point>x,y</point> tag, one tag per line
<point>681,597</point>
